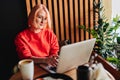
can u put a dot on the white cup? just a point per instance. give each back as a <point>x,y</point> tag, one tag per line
<point>26,67</point>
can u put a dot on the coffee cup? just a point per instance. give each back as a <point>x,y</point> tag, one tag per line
<point>26,67</point>
<point>83,73</point>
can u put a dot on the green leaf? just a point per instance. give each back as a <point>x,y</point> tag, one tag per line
<point>112,59</point>
<point>100,21</point>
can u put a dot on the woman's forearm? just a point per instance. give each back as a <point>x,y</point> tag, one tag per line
<point>38,60</point>
<point>51,60</point>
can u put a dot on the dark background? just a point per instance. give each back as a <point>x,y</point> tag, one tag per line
<point>13,18</point>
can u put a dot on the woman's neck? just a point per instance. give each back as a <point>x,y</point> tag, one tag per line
<point>35,30</point>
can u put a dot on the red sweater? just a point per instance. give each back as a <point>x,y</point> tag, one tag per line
<point>40,44</point>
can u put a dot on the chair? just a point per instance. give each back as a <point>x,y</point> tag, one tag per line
<point>107,66</point>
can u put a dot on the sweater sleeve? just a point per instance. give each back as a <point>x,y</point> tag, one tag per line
<point>22,48</point>
<point>54,44</point>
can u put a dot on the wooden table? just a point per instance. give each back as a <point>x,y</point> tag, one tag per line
<point>39,71</point>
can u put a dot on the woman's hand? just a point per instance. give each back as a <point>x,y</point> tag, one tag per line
<point>52,60</point>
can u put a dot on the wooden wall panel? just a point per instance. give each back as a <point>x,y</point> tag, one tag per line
<point>90,15</point>
<point>38,2</point>
<point>71,20</point>
<point>86,17</point>
<point>66,21</point>
<point>61,20</point>
<point>76,20</point>
<point>81,19</point>
<point>50,10</point>
<point>28,6</point>
<point>67,15</point>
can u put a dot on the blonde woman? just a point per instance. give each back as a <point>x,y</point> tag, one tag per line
<point>38,41</point>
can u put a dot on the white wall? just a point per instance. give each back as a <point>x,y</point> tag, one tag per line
<point>116,10</point>
<point>115,7</point>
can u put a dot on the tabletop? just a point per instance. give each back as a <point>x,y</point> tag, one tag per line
<point>39,71</point>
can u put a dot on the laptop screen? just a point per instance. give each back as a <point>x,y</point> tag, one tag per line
<point>73,55</point>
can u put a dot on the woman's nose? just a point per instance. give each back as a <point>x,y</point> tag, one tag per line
<point>41,20</point>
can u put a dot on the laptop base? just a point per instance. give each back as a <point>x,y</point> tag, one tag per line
<point>49,69</point>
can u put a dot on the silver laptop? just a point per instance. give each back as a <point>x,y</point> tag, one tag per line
<point>72,55</point>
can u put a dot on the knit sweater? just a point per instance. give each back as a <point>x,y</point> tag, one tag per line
<point>40,44</point>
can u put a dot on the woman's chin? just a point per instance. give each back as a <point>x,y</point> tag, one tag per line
<point>40,27</point>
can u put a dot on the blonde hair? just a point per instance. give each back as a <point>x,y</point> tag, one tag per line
<point>33,13</point>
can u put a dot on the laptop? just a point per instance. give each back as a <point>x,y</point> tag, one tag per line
<point>72,55</point>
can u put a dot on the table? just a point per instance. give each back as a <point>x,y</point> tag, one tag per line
<point>39,71</point>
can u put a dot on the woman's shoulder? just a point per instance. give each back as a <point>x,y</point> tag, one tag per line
<point>48,30</point>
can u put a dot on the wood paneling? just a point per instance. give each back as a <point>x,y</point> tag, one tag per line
<point>66,16</point>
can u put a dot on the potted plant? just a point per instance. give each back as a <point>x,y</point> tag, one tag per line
<point>105,34</point>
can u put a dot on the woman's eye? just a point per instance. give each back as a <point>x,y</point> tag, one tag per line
<point>39,17</point>
<point>45,18</point>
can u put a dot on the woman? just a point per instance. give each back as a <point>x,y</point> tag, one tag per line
<point>38,42</point>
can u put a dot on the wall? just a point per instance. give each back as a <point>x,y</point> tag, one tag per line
<point>67,15</point>
<point>12,20</point>
<point>112,9</point>
<point>115,7</point>
<point>108,8</point>
<point>116,10</point>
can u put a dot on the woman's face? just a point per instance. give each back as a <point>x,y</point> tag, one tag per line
<point>41,19</point>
